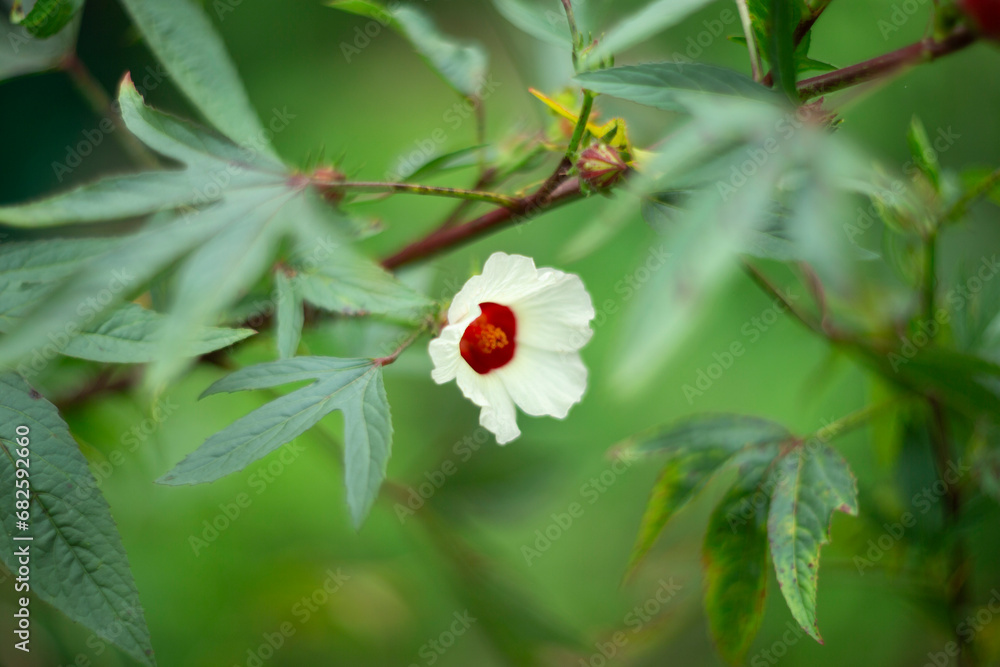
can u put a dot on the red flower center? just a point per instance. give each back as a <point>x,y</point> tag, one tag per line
<point>488,342</point>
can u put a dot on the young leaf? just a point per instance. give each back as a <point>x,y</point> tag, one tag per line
<point>924,155</point>
<point>48,17</point>
<point>549,25</point>
<point>673,86</point>
<point>78,564</point>
<point>640,26</point>
<point>462,66</point>
<point>289,314</point>
<point>812,482</point>
<point>697,447</point>
<point>353,386</point>
<point>181,37</point>
<point>781,46</point>
<point>735,559</point>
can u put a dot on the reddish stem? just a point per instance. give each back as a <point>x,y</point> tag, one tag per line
<point>491,221</point>
<point>925,50</point>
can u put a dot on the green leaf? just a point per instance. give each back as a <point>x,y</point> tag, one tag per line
<point>674,86</point>
<point>182,37</point>
<point>549,25</point>
<point>643,24</point>
<point>781,24</point>
<point>924,155</point>
<point>692,265</point>
<point>23,53</point>
<point>289,314</point>
<point>133,335</point>
<point>78,564</point>
<point>353,386</point>
<point>436,164</point>
<point>811,483</point>
<point>735,559</point>
<point>243,202</point>
<point>697,447</point>
<point>462,66</point>
<point>49,17</point>
<point>354,285</point>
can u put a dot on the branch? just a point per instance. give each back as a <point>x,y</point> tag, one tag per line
<point>492,221</point>
<point>744,10</point>
<point>428,190</point>
<point>926,50</point>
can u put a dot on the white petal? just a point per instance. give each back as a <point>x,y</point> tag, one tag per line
<point>543,382</point>
<point>556,315</point>
<point>445,354</point>
<point>488,392</point>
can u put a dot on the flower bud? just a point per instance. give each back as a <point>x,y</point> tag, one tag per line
<point>600,166</point>
<point>985,14</point>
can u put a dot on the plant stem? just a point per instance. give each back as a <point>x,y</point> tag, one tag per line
<point>930,275</point>
<point>496,219</point>
<point>101,104</point>
<point>957,588</point>
<point>573,31</point>
<point>761,280</point>
<point>428,190</point>
<point>581,124</point>
<point>744,10</point>
<point>407,342</point>
<point>801,30</point>
<point>924,51</point>
<point>978,190</point>
<point>852,421</point>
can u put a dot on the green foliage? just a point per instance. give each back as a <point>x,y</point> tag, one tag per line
<point>181,37</point>
<point>811,483</point>
<point>289,314</point>
<point>549,25</point>
<point>735,557</point>
<point>697,449</point>
<point>49,17</point>
<point>781,23</point>
<point>24,53</point>
<point>241,212</point>
<point>353,386</point>
<point>77,562</point>
<point>643,24</point>
<point>673,86</point>
<point>462,66</point>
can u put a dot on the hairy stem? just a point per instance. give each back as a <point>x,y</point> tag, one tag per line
<point>924,51</point>
<point>445,238</point>
<point>427,190</point>
<point>852,421</point>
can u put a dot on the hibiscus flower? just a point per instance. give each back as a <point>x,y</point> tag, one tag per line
<point>513,337</point>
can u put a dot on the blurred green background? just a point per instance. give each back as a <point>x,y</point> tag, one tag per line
<point>259,576</point>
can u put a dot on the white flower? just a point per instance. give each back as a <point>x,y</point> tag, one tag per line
<point>513,336</point>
